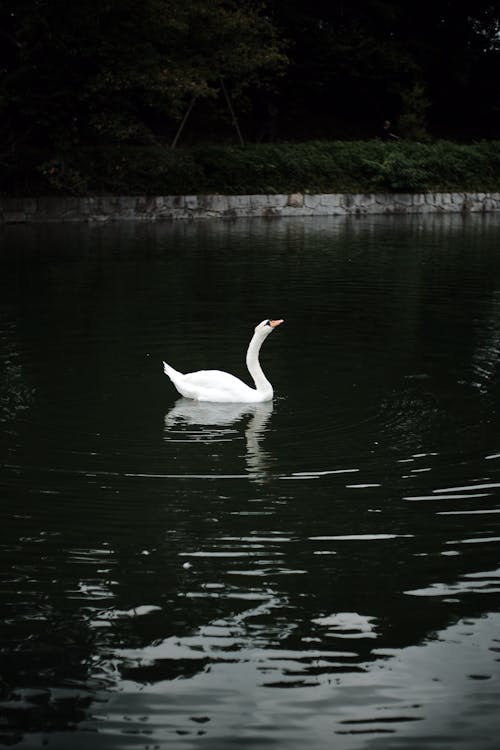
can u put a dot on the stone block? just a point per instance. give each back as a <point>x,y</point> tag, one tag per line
<point>277,202</point>
<point>403,199</point>
<point>311,201</point>
<point>239,201</point>
<point>258,203</point>
<point>347,201</point>
<point>14,217</point>
<point>146,204</point>
<point>126,206</point>
<point>191,202</point>
<point>212,204</point>
<point>367,199</point>
<point>329,201</point>
<point>50,208</point>
<point>295,200</point>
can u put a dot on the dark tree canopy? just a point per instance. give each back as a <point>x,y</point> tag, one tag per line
<point>432,64</point>
<point>126,71</point>
<point>114,69</point>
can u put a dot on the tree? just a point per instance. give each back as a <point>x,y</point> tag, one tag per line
<point>126,70</point>
<point>347,62</point>
<point>111,70</point>
<point>353,64</point>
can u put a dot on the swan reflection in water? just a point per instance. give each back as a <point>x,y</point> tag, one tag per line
<point>208,422</point>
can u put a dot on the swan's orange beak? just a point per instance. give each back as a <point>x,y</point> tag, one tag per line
<point>274,323</point>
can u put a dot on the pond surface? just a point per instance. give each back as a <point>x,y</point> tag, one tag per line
<point>318,571</point>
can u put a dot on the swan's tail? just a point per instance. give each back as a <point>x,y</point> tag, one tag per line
<point>172,374</point>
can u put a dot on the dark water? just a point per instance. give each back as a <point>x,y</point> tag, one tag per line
<point>322,571</point>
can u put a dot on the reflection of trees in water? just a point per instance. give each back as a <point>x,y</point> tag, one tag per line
<point>45,671</point>
<point>15,394</point>
<point>486,351</point>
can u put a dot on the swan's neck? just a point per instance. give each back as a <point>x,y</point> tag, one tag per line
<point>262,384</point>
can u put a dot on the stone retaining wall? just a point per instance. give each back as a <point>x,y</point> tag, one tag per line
<point>120,208</point>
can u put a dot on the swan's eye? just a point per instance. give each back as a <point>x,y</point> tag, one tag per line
<point>268,322</point>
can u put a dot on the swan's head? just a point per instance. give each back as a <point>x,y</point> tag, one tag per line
<point>267,326</point>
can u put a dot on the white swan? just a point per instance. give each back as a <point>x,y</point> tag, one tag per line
<point>221,387</point>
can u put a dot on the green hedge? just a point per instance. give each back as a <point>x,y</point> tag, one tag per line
<point>314,167</point>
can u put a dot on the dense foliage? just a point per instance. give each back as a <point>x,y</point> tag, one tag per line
<point>122,70</point>
<point>94,77</point>
<point>316,166</point>
<point>429,66</point>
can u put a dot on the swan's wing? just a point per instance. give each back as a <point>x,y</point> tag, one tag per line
<point>213,379</point>
<point>211,385</point>
<point>215,385</point>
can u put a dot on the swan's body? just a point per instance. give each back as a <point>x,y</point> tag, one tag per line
<point>221,387</point>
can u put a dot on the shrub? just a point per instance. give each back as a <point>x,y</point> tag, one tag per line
<point>396,173</point>
<point>314,167</point>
